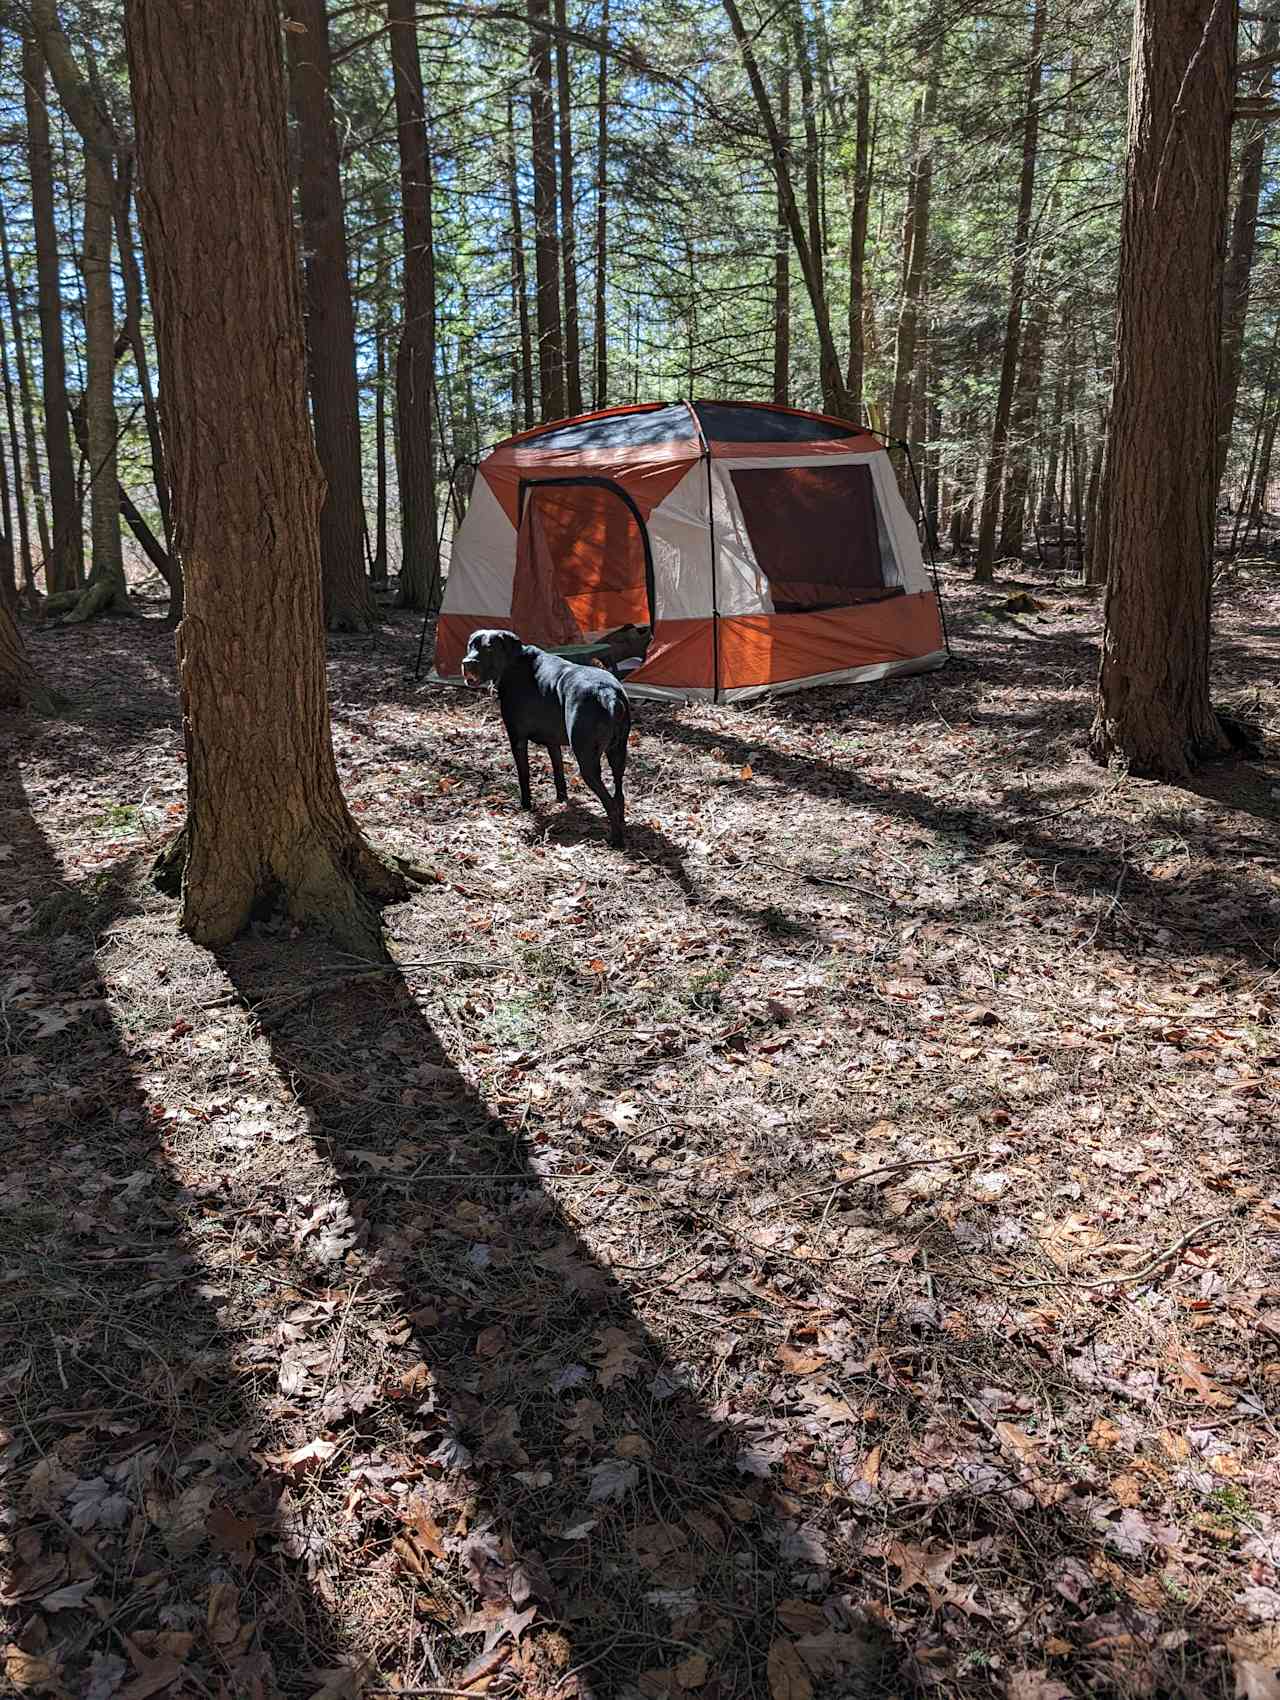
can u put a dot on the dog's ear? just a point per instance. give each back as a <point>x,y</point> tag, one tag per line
<point>511,645</point>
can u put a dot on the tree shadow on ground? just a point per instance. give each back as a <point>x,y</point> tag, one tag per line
<point>226,1301</point>
<point>1224,906</point>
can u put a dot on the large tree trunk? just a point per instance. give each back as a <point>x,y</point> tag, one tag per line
<point>835,393</point>
<point>331,328</point>
<point>64,562</point>
<point>1239,268</point>
<point>601,386</point>
<point>994,485</point>
<point>416,355</point>
<point>23,372</point>
<point>859,214</point>
<point>1157,498</point>
<point>20,685</point>
<point>551,394</point>
<point>266,815</point>
<point>782,264</point>
<point>915,267</point>
<point>568,239</point>
<point>522,357</point>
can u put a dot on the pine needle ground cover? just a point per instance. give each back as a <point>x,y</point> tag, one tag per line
<point>828,1249</point>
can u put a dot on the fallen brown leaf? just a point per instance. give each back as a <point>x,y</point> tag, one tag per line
<point>788,1676</point>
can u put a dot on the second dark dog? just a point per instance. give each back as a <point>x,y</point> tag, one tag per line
<point>548,701</point>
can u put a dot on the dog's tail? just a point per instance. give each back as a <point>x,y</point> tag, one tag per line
<point>621,716</point>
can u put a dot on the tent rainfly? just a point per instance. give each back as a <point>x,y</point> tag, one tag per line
<point>735,549</point>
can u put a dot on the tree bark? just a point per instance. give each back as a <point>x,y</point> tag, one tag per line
<point>522,363</point>
<point>782,263</point>
<point>416,355</point>
<point>1239,267</point>
<point>601,384</point>
<point>20,685</point>
<point>993,488</point>
<point>23,372</point>
<point>380,452</point>
<point>1153,708</point>
<point>64,561</point>
<point>859,214</point>
<point>106,590</point>
<point>568,240</point>
<point>915,266</point>
<point>834,390</point>
<point>330,321</point>
<point>266,816</point>
<point>1026,409</point>
<point>551,391</point>
<point>14,503</point>
<point>131,276</point>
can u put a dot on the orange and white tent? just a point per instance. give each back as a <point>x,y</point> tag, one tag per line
<point>763,548</point>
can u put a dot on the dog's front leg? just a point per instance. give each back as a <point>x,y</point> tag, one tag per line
<point>557,768</point>
<point>520,750</point>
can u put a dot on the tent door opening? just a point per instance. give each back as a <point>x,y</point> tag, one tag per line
<point>584,571</point>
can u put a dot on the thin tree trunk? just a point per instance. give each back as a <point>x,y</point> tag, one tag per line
<point>519,280</point>
<point>106,589</point>
<point>915,265</point>
<point>17,505</point>
<point>1045,514</point>
<point>1026,408</point>
<point>24,402</point>
<point>993,488</point>
<point>1262,479</point>
<point>380,453</point>
<point>551,393</point>
<point>1090,573</point>
<point>64,560</point>
<point>859,214</point>
<point>782,265</point>
<point>1238,272</point>
<point>568,241</point>
<point>330,320</point>
<point>834,391</point>
<point>265,812</point>
<point>602,212</point>
<point>131,276</point>
<point>1153,708</point>
<point>416,355</point>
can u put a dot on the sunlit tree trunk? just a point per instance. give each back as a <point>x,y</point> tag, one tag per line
<point>992,489</point>
<point>551,392</point>
<point>568,237</point>
<point>64,560</point>
<point>859,214</point>
<point>265,812</point>
<point>331,330</point>
<point>416,355</point>
<point>1238,274</point>
<point>23,373</point>
<point>782,265</point>
<point>1153,708</point>
<point>915,265</point>
<point>14,501</point>
<point>522,357</point>
<point>602,212</point>
<point>1026,408</point>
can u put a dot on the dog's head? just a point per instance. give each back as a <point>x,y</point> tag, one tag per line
<point>488,656</point>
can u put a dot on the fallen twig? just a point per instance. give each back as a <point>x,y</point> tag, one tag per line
<point>1148,1268</point>
<point>883,1169</point>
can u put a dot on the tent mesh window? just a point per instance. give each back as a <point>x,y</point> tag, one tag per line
<point>815,535</point>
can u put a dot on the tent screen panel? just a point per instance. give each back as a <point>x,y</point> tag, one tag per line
<point>814,534</point>
<point>741,422</point>
<point>580,566</point>
<point>643,428</point>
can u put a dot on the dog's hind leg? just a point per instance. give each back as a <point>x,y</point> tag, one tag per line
<point>617,754</point>
<point>557,768</point>
<point>589,763</point>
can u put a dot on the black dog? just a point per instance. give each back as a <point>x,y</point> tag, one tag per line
<point>553,702</point>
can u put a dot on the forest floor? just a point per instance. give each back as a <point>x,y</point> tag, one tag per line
<point>832,1247</point>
